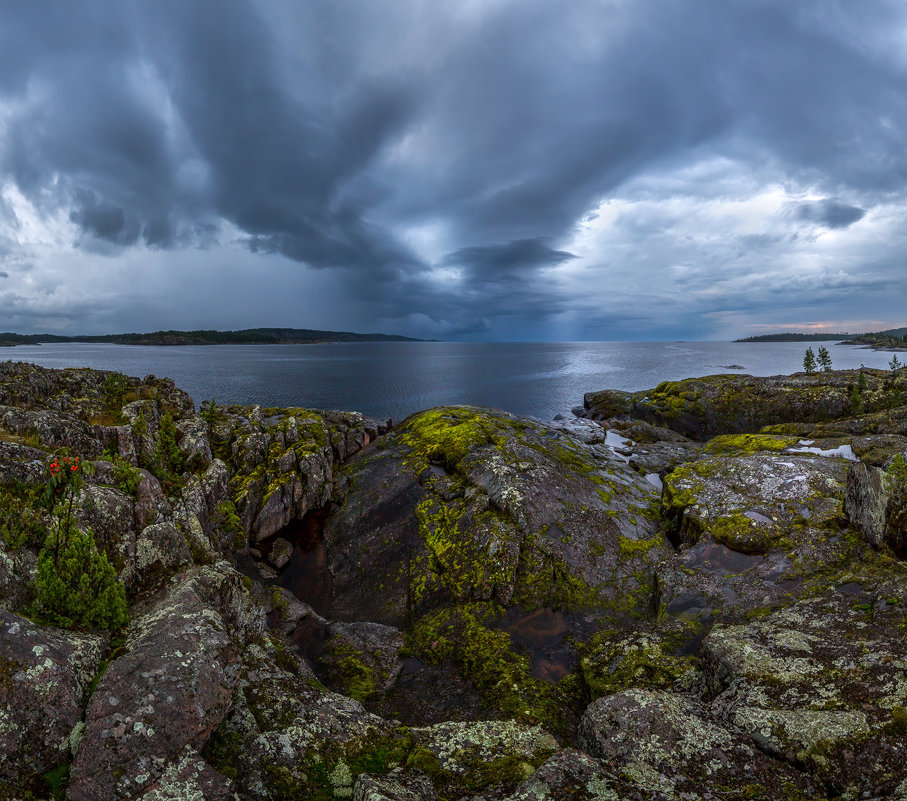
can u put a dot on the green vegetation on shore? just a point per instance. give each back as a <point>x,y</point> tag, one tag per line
<point>790,336</point>
<point>248,336</point>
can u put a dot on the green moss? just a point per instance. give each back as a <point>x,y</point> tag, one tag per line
<point>740,533</point>
<point>224,751</point>
<point>461,548</point>
<point>426,761</point>
<point>57,780</point>
<point>611,665</point>
<point>898,724</point>
<point>543,579</point>
<point>747,444</point>
<point>356,677</point>
<point>444,436</point>
<point>634,548</point>
<point>486,658</point>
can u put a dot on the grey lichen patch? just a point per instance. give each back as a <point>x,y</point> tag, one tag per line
<point>815,681</point>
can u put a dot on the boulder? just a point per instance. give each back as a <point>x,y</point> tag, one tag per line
<point>151,503</point>
<point>160,551</point>
<point>574,775</point>
<point>285,737</point>
<point>281,551</point>
<point>704,407</point>
<point>496,755</point>
<point>192,438</point>
<point>190,777</point>
<point>17,575</point>
<point>750,503</point>
<point>876,504</point>
<point>45,676</point>
<point>169,690</point>
<point>21,463</point>
<point>616,662</point>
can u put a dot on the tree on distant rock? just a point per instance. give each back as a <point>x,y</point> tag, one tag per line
<point>809,362</point>
<point>824,359</point>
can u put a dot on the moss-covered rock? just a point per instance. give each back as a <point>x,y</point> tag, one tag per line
<point>612,663</point>
<point>465,504</point>
<point>168,690</point>
<point>751,503</point>
<point>704,407</point>
<point>483,755</point>
<point>362,658</point>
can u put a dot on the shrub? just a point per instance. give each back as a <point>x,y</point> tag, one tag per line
<point>167,452</point>
<point>77,586</point>
<point>21,523</point>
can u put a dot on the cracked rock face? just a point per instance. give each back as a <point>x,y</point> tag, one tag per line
<point>44,678</point>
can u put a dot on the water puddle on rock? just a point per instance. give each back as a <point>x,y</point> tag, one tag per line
<point>307,575</point>
<point>544,634</point>
<point>717,558</point>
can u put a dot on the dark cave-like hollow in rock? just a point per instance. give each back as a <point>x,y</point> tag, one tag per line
<point>307,574</point>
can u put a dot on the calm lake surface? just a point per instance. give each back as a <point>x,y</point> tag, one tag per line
<point>396,379</point>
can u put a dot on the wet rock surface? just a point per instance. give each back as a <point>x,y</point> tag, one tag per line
<point>696,592</point>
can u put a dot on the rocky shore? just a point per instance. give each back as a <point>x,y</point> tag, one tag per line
<point>694,592</point>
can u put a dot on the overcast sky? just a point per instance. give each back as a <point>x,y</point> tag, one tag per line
<point>474,169</point>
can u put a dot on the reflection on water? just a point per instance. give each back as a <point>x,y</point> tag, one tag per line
<point>543,633</point>
<point>718,558</point>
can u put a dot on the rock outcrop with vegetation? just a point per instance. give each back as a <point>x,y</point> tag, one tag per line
<point>695,592</point>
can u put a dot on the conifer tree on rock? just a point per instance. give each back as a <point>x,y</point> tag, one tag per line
<point>809,362</point>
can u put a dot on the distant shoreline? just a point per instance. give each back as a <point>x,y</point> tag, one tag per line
<point>173,338</point>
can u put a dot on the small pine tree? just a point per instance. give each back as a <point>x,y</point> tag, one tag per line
<point>78,586</point>
<point>168,452</point>
<point>895,364</point>
<point>809,362</point>
<point>856,399</point>
<point>114,389</point>
<point>861,381</point>
<point>824,359</point>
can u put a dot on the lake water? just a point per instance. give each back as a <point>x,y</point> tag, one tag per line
<point>398,378</point>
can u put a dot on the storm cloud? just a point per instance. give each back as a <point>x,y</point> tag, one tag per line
<point>511,169</point>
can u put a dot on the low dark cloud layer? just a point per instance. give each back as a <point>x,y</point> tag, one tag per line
<point>506,169</point>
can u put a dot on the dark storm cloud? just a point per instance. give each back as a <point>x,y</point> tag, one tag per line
<point>515,260</point>
<point>829,213</point>
<point>327,133</point>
